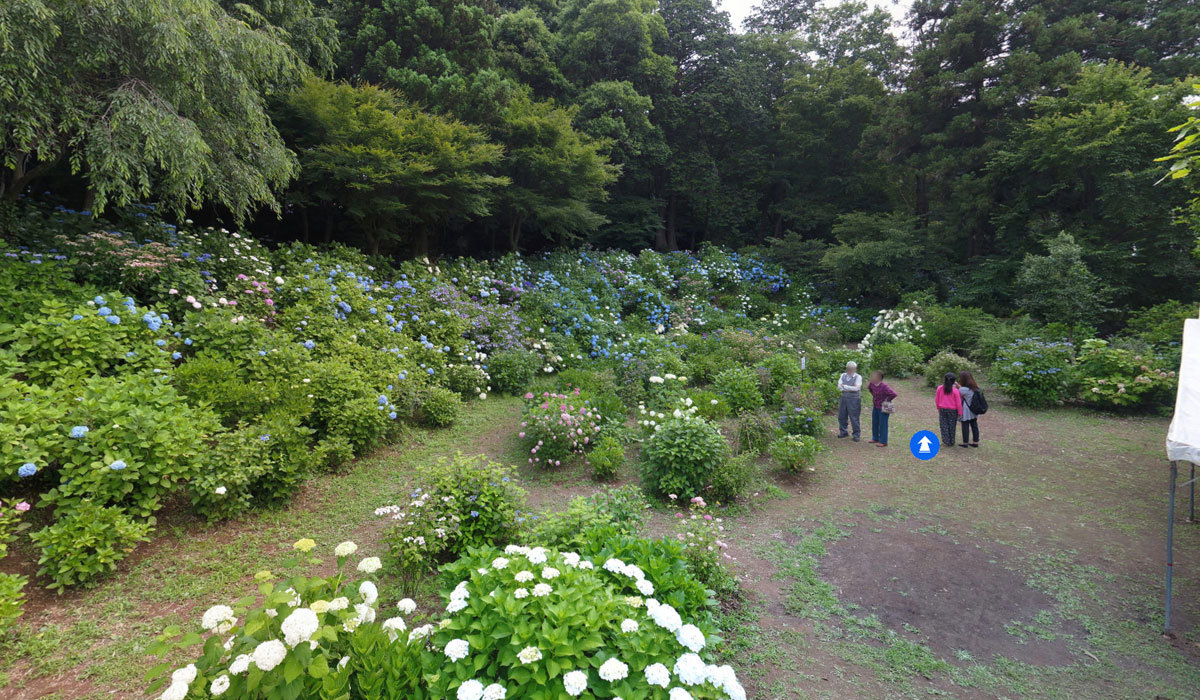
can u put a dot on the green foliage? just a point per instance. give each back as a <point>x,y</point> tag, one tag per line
<point>740,387</point>
<point>796,452</point>
<point>783,371</point>
<point>681,456</point>
<point>617,510</point>
<point>800,420</point>
<point>732,478</point>
<point>700,533</point>
<point>86,543</point>
<point>900,359</point>
<point>146,99</point>
<point>952,328</point>
<point>1034,372</point>
<point>440,408</point>
<point>946,362</point>
<point>1111,377</point>
<point>754,432</point>
<point>12,596</point>
<point>468,381</point>
<point>1058,286</point>
<point>512,371</point>
<point>606,458</point>
<point>1160,325</point>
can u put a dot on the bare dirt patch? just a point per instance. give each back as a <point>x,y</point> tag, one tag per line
<point>958,593</point>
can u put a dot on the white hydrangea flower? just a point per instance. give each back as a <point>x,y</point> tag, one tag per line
<point>220,685</point>
<point>633,571</point>
<point>394,626</point>
<point>680,694</point>
<point>575,682</point>
<point>455,605</point>
<point>515,549</point>
<point>294,601</point>
<point>175,691</point>
<point>521,593</point>
<point>456,650</point>
<point>420,633</point>
<point>585,564</point>
<point>299,626</point>
<point>665,616</point>
<point>339,603</point>
<point>364,612</point>
<point>370,565</point>
<point>470,690</point>
<point>407,606</point>
<point>524,576</point>
<point>529,654</point>
<point>549,572</point>
<point>319,606</point>
<point>342,662</point>
<point>616,566</point>
<point>613,670</point>
<point>629,625</point>
<point>460,591</point>
<point>541,590</point>
<point>345,549</point>
<point>690,669</point>
<point>691,637</point>
<point>368,592</point>
<point>240,664</point>
<point>269,654</point>
<point>219,619</point>
<point>536,555</point>
<point>184,675</point>
<point>499,563</point>
<point>495,691</point>
<point>645,587</point>
<point>657,674</point>
<point>571,558</point>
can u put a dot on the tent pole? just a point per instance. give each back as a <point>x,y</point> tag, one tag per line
<point>1170,535</point>
<point>1192,496</point>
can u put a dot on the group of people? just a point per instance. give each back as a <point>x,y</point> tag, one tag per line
<point>953,399</point>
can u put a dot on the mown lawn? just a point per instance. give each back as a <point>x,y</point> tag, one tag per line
<point>1030,567</point>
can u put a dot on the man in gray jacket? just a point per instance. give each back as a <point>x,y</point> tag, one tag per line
<point>850,405</point>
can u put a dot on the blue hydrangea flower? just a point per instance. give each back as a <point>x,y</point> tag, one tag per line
<point>160,343</point>
<point>118,465</point>
<point>27,470</point>
<point>79,431</point>
<point>474,514</point>
<point>176,355</point>
<point>98,300</point>
<point>264,438</point>
<point>309,344</point>
<point>187,341</point>
<point>76,317</point>
<point>383,400</point>
<point>114,319</point>
<point>103,311</point>
<point>392,415</point>
<point>429,371</point>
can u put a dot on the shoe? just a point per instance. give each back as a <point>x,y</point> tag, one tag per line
<point>974,444</point>
<point>964,445</point>
<point>856,439</point>
<point>872,442</point>
<point>881,444</point>
<point>842,436</point>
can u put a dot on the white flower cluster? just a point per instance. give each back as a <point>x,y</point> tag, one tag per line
<point>893,326</point>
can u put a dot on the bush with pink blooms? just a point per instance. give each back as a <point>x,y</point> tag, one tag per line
<point>11,585</point>
<point>556,426</point>
<point>702,535</point>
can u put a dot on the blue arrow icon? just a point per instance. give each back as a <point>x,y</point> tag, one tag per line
<point>924,445</point>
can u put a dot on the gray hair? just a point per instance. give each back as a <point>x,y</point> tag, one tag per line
<point>851,365</point>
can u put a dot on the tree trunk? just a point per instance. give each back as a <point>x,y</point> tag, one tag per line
<point>514,232</point>
<point>672,233</point>
<point>304,224</point>
<point>328,236</point>
<point>16,180</point>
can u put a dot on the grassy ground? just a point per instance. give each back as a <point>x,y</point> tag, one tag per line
<point>1030,567</point>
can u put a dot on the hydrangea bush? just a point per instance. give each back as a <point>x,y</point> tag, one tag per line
<point>556,426</point>
<point>1111,377</point>
<point>1035,372</point>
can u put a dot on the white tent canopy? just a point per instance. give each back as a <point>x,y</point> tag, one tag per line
<point>1183,439</point>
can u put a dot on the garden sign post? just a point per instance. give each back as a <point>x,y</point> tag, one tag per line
<point>1183,442</point>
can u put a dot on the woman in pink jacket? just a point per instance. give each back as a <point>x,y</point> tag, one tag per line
<point>949,406</point>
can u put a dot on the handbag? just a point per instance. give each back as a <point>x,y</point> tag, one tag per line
<point>887,406</point>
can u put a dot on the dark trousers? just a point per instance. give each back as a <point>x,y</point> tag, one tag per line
<point>948,419</point>
<point>849,409</point>
<point>879,425</point>
<point>973,426</point>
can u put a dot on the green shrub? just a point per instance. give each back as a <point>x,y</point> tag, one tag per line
<point>755,431</point>
<point>606,458</point>
<point>952,328</point>
<point>1110,377</point>
<point>821,397</point>
<point>901,359</point>
<point>556,426</point>
<point>800,420</point>
<point>796,452</point>
<point>142,440</point>
<point>440,408</point>
<point>12,596</point>
<point>86,543</point>
<point>709,404</point>
<point>782,372</point>
<point>740,387</point>
<point>996,335</point>
<point>590,381</point>
<point>731,479</point>
<point>620,509</point>
<point>700,532</point>
<point>681,456</point>
<point>1161,325</point>
<point>230,469</point>
<point>512,371</point>
<point>944,362</point>
<point>1034,372</point>
<point>468,381</point>
<point>363,422</point>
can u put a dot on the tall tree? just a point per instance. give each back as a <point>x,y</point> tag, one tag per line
<point>399,174</point>
<point>143,98</point>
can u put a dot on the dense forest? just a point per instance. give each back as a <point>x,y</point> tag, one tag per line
<point>872,156</point>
